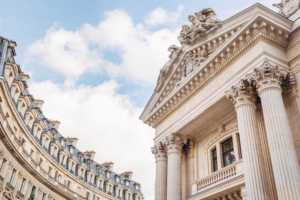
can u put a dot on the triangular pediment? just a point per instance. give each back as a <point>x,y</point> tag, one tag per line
<point>191,69</point>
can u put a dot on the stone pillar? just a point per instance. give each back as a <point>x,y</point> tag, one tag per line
<point>174,149</point>
<point>161,172</point>
<point>268,80</point>
<point>190,156</point>
<point>253,163</point>
<point>266,153</point>
<point>292,111</point>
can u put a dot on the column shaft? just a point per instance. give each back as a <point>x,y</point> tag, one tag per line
<point>174,176</point>
<point>266,155</point>
<point>293,113</point>
<point>284,160</point>
<point>161,179</point>
<point>253,162</point>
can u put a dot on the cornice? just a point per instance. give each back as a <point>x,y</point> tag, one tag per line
<point>258,29</point>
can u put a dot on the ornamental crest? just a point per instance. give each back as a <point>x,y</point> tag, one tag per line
<point>288,7</point>
<point>203,22</point>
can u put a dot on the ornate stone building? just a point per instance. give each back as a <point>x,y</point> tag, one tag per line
<point>226,108</point>
<point>36,161</point>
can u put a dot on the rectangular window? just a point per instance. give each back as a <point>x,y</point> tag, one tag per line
<point>87,195</point>
<point>44,196</point>
<point>214,160</point>
<point>68,184</point>
<point>78,190</point>
<point>2,165</point>
<point>12,176</point>
<point>228,152</point>
<point>22,185</point>
<point>49,171</point>
<point>31,153</point>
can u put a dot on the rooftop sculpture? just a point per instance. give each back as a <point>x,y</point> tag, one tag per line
<point>287,7</point>
<point>203,22</point>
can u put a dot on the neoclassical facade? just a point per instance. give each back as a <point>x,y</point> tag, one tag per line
<point>36,161</point>
<point>226,108</point>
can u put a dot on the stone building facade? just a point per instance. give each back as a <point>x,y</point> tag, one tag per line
<point>36,161</point>
<point>226,108</point>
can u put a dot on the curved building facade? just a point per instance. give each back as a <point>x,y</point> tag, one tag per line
<point>36,161</point>
<point>226,109</point>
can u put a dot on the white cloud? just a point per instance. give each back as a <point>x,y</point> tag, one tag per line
<point>73,53</point>
<point>160,16</point>
<point>103,121</point>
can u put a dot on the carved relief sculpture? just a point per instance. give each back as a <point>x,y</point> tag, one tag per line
<point>287,7</point>
<point>174,51</point>
<point>203,22</point>
<point>192,61</point>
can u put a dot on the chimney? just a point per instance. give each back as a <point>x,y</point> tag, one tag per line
<point>39,103</point>
<point>55,123</point>
<point>72,140</point>
<point>108,165</point>
<point>127,174</point>
<point>90,153</point>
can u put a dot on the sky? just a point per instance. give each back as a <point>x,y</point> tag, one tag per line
<point>95,64</point>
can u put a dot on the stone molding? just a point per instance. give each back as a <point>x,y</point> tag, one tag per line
<point>171,97</point>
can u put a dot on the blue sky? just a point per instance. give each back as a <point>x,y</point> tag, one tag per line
<point>95,65</point>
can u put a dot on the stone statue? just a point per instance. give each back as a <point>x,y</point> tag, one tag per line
<point>174,51</point>
<point>203,22</point>
<point>192,61</point>
<point>287,7</point>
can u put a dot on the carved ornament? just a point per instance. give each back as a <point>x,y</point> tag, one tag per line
<point>287,7</point>
<point>241,94</point>
<point>174,143</point>
<point>174,52</point>
<point>203,22</point>
<point>267,76</point>
<point>158,150</point>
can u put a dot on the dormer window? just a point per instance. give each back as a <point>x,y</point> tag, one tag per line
<point>127,183</point>
<point>63,143</point>
<point>117,179</point>
<point>107,174</point>
<point>98,170</point>
<point>71,149</point>
<point>137,187</point>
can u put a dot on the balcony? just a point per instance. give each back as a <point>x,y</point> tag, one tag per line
<point>20,195</point>
<point>218,177</point>
<point>10,187</point>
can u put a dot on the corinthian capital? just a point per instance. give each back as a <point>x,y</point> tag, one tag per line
<point>174,143</point>
<point>267,76</point>
<point>241,94</point>
<point>158,150</point>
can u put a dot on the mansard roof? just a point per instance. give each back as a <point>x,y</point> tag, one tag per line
<point>223,45</point>
<point>6,47</point>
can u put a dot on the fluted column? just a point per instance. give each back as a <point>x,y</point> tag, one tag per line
<point>190,156</point>
<point>266,153</point>
<point>268,80</point>
<point>161,172</point>
<point>174,149</point>
<point>253,163</point>
<point>293,112</point>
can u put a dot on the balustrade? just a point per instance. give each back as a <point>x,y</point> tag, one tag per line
<point>219,176</point>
